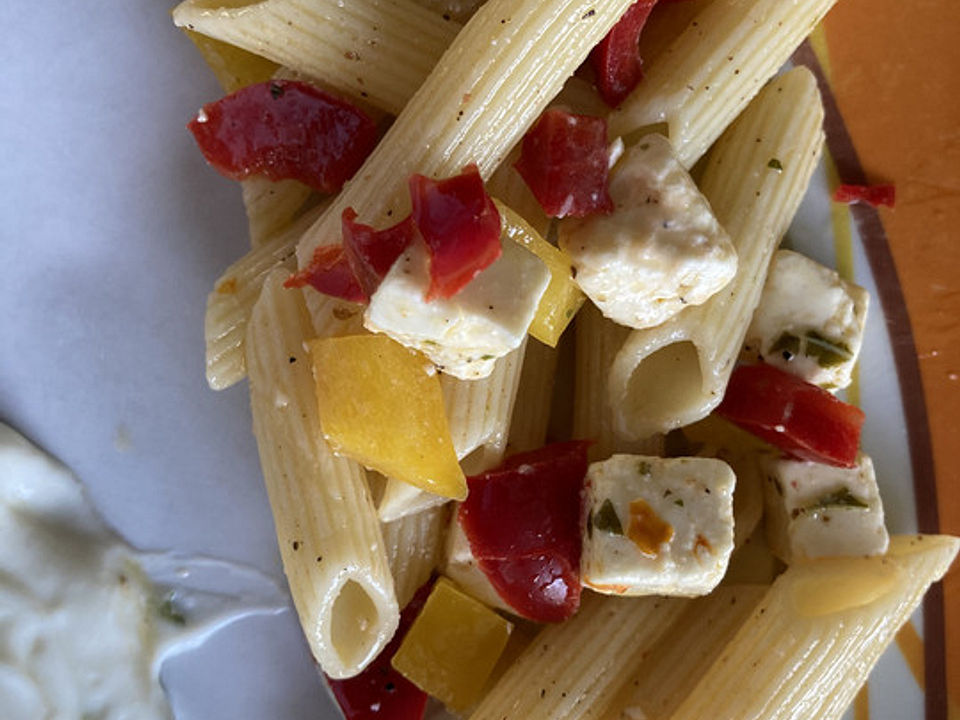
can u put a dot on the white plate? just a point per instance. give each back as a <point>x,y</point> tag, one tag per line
<point>113,231</point>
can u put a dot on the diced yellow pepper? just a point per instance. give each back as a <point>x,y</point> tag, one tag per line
<point>381,404</point>
<point>452,646</point>
<point>563,297</point>
<point>233,67</point>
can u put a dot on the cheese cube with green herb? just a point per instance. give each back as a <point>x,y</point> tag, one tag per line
<point>657,526</point>
<point>815,510</point>
<point>659,251</point>
<point>809,321</point>
<point>463,335</point>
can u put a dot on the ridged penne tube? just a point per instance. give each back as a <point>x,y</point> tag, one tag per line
<point>379,51</point>
<point>807,649</point>
<point>414,546</point>
<point>507,185</point>
<point>598,341</point>
<point>575,669</point>
<point>531,411</point>
<point>705,78</point>
<point>683,654</point>
<point>329,537</point>
<point>676,373</point>
<point>478,413</point>
<point>232,299</point>
<point>485,92</point>
<point>272,206</point>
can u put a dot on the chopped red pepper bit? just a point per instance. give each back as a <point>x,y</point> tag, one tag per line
<point>875,195</point>
<point>380,691</point>
<point>616,59</point>
<point>285,129</point>
<point>329,272</point>
<point>803,420</point>
<point>565,161</point>
<point>523,524</point>
<point>460,225</point>
<point>371,253</point>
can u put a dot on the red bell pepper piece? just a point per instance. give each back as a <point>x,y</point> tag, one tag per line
<point>616,59</point>
<point>371,253</point>
<point>803,420</point>
<point>875,195</point>
<point>285,130</point>
<point>460,225</point>
<point>523,524</point>
<point>380,692</point>
<point>565,161</point>
<point>329,272</point>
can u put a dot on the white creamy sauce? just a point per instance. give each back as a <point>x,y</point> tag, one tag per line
<point>83,631</point>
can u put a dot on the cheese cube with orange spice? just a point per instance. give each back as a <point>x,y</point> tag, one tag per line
<point>657,526</point>
<point>381,404</point>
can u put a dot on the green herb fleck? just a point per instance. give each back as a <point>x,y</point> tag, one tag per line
<point>168,610</point>
<point>828,353</point>
<point>606,519</point>
<point>487,357</point>
<point>678,502</point>
<point>643,467</point>
<point>787,346</point>
<point>590,525</point>
<point>775,164</point>
<point>839,498</point>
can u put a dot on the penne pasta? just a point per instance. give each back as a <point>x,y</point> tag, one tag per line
<point>711,71</point>
<point>272,206</point>
<point>330,542</point>
<point>379,52</point>
<point>828,621</point>
<point>531,411</point>
<point>610,635</point>
<point>674,374</point>
<point>414,546</point>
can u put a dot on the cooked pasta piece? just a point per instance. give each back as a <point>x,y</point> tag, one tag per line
<point>807,649</point>
<point>414,545</point>
<point>330,542</point>
<point>598,341</point>
<point>233,296</point>
<point>549,682</point>
<point>672,667</point>
<point>272,206</point>
<point>674,374</point>
<point>531,411</point>
<point>379,52</point>
<point>706,77</point>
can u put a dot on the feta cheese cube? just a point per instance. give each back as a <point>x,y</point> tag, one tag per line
<point>809,321</point>
<point>466,333</point>
<point>659,251</point>
<point>657,526</point>
<point>461,567</point>
<point>815,510</point>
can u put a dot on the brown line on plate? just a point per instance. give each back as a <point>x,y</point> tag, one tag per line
<point>894,306</point>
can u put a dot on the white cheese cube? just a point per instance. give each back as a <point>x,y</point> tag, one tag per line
<point>659,251</point>
<point>815,510</point>
<point>464,334</point>
<point>657,526</point>
<point>461,567</point>
<point>809,321</point>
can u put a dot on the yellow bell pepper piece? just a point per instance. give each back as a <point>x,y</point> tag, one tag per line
<point>563,297</point>
<point>381,404</point>
<point>452,647</point>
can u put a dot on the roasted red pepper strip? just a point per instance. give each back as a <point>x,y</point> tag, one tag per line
<point>329,273</point>
<point>875,195</point>
<point>523,524</point>
<point>565,161</point>
<point>460,225</point>
<point>616,61</point>
<point>285,130</point>
<point>371,253</point>
<point>803,420</point>
<point>380,692</point>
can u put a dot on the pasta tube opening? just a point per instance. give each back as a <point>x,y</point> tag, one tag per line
<point>355,623</point>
